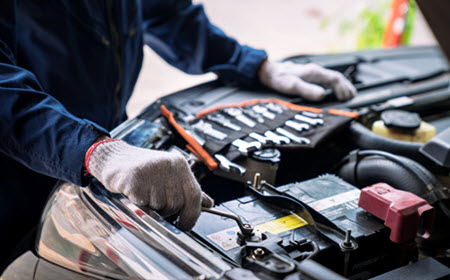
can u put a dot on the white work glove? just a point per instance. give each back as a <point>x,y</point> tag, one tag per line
<point>161,180</point>
<point>305,80</point>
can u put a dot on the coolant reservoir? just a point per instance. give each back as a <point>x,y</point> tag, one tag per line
<point>403,125</point>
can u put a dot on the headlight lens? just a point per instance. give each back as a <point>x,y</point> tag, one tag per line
<point>99,234</point>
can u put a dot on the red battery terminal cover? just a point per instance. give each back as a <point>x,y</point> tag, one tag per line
<point>406,214</point>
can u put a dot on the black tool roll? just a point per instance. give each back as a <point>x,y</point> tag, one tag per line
<point>303,127</point>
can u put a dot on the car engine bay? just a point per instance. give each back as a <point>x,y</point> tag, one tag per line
<point>302,190</point>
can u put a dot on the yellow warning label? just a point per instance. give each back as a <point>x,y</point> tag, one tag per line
<point>282,224</point>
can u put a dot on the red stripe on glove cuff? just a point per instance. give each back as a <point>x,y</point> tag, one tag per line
<point>91,149</point>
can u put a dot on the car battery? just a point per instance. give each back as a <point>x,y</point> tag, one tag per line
<point>327,196</point>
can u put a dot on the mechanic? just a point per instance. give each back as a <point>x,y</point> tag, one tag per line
<point>67,70</point>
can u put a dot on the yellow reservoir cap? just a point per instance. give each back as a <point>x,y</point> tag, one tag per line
<point>421,135</point>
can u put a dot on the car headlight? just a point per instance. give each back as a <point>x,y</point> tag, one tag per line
<point>92,231</point>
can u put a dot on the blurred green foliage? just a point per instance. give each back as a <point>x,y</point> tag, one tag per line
<point>370,23</point>
<point>409,23</point>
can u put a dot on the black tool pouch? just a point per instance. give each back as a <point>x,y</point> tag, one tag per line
<point>331,122</point>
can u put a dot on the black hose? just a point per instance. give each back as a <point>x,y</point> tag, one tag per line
<point>375,169</point>
<point>417,170</point>
<point>365,139</point>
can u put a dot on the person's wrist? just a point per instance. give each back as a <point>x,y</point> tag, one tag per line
<point>261,68</point>
<point>89,151</point>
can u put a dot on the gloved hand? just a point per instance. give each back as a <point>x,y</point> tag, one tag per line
<point>161,180</point>
<point>305,80</point>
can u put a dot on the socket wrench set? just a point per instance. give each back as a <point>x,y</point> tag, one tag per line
<point>221,135</point>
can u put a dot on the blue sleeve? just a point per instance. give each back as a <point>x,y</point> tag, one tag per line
<point>181,34</point>
<point>35,129</point>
